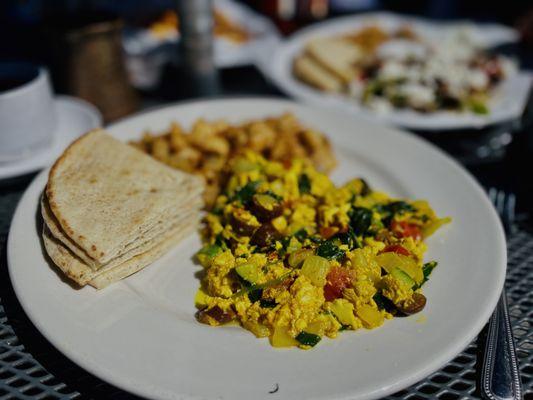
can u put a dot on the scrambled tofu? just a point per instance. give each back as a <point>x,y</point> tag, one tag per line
<point>291,257</point>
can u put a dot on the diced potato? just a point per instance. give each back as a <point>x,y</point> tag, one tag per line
<point>282,338</point>
<point>363,261</point>
<point>316,268</point>
<point>343,310</point>
<point>371,317</point>
<point>316,327</point>
<point>259,330</point>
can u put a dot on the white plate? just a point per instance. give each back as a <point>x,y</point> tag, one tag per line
<point>74,117</point>
<point>506,104</point>
<point>141,335</point>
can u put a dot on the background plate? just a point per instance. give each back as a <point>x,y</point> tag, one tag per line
<point>507,102</point>
<point>141,335</point>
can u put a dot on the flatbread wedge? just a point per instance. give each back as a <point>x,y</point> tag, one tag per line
<point>105,194</point>
<point>76,270</point>
<point>337,56</point>
<point>139,246</point>
<point>309,71</point>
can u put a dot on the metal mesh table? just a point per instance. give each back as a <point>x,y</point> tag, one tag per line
<point>30,367</point>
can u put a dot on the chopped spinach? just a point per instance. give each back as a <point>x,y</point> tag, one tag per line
<point>328,249</point>
<point>221,242</point>
<point>267,303</point>
<point>301,235</point>
<point>308,339</point>
<point>383,303</point>
<point>245,194</point>
<point>255,295</point>
<point>360,220</point>
<point>388,211</point>
<point>304,184</point>
<point>316,239</point>
<point>427,268</point>
<point>366,189</point>
<point>284,244</point>
<point>348,238</point>
<point>217,211</point>
<point>210,250</point>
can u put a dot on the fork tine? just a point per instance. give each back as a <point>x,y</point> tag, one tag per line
<point>500,203</point>
<point>505,205</point>
<point>492,195</point>
<point>510,207</point>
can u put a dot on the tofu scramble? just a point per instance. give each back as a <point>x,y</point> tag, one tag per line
<point>290,256</point>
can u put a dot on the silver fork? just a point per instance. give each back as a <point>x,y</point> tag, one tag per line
<point>500,377</point>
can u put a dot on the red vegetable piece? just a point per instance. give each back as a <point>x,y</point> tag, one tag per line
<point>396,248</point>
<point>405,229</point>
<point>337,280</point>
<point>328,231</point>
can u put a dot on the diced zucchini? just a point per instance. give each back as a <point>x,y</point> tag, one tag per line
<point>402,277</point>
<point>249,272</point>
<point>308,339</point>
<point>282,338</point>
<point>299,256</point>
<point>330,250</point>
<point>316,268</point>
<point>390,261</point>
<point>370,316</point>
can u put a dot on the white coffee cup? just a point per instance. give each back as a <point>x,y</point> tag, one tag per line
<point>27,110</point>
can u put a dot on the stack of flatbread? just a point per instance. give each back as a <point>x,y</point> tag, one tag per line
<point>110,210</point>
<point>329,64</point>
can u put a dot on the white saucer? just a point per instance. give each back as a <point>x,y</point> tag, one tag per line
<point>74,117</point>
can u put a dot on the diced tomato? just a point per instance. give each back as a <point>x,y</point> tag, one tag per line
<point>337,280</point>
<point>406,229</point>
<point>396,248</point>
<point>328,231</point>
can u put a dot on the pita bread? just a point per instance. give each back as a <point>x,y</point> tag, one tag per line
<point>143,242</point>
<point>309,71</point>
<point>79,272</point>
<point>338,56</point>
<point>104,194</point>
